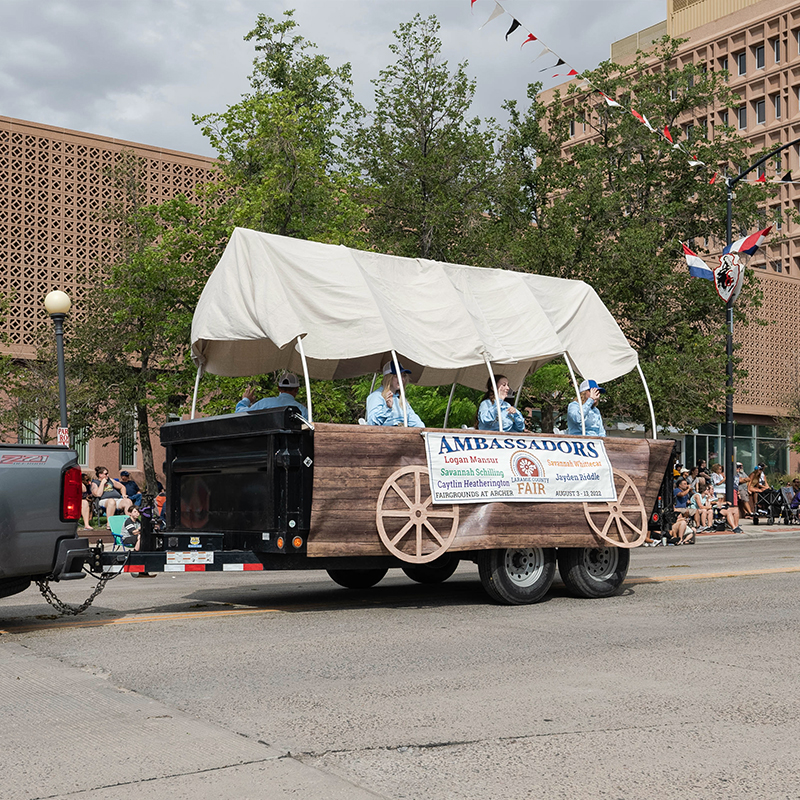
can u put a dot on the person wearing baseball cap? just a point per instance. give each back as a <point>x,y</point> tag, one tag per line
<point>385,406</point>
<point>590,396</point>
<point>287,396</point>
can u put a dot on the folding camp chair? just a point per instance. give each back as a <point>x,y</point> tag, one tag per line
<point>115,524</point>
<point>791,516</point>
<point>770,505</point>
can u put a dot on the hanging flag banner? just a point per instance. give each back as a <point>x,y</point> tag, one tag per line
<point>729,276</point>
<point>697,267</point>
<point>486,467</point>
<point>748,244</point>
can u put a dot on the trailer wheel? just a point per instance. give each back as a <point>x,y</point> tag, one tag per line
<point>409,525</point>
<point>436,572</point>
<point>593,571</point>
<point>517,576</point>
<point>357,578</point>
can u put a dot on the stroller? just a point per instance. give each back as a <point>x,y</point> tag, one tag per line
<point>790,515</point>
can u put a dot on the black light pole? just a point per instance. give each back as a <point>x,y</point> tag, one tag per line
<point>57,304</point>
<point>729,459</point>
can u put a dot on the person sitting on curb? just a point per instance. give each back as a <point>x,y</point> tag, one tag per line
<point>288,384</point>
<point>131,487</point>
<point>702,507</point>
<point>110,492</point>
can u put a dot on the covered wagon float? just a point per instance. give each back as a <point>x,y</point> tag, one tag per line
<point>272,490</point>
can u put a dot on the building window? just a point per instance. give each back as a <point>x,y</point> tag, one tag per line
<point>572,127</point>
<point>760,173</point>
<point>741,114</point>
<point>741,61</point>
<point>777,101</point>
<point>753,444</point>
<point>760,57</point>
<point>78,441</point>
<point>28,432</point>
<point>776,44</point>
<point>723,117</point>
<point>127,442</point>
<point>723,64</point>
<point>687,130</point>
<point>761,111</point>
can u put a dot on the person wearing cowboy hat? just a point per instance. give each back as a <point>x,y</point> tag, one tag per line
<point>287,396</point>
<point>385,406</point>
<point>590,396</point>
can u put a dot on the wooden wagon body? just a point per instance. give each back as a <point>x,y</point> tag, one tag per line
<point>356,466</point>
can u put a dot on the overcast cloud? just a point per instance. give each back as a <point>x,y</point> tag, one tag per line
<point>138,69</point>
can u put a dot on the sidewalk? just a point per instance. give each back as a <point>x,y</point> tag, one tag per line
<point>748,527</point>
<point>69,731</point>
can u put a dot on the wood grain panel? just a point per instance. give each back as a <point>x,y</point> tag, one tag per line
<point>352,463</point>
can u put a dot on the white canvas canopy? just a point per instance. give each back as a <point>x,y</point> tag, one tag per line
<point>272,299</point>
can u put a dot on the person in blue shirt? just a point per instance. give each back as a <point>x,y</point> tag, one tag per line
<point>288,386</point>
<point>131,487</point>
<point>487,410</point>
<point>384,406</point>
<point>590,397</point>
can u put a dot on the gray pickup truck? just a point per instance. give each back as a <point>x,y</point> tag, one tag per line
<point>40,505</point>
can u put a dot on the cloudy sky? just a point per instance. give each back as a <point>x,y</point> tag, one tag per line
<point>138,69</point>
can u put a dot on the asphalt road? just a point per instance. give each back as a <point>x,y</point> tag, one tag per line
<point>285,685</point>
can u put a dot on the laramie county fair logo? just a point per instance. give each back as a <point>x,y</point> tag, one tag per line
<point>524,465</point>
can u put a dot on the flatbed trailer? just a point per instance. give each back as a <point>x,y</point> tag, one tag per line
<point>264,491</point>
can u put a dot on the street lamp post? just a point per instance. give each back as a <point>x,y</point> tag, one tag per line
<point>729,458</point>
<point>57,304</point>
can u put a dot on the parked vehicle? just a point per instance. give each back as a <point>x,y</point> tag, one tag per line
<point>40,505</point>
<point>265,490</point>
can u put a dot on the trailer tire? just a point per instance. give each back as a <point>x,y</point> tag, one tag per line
<point>357,578</point>
<point>593,572</point>
<point>436,572</point>
<point>517,575</point>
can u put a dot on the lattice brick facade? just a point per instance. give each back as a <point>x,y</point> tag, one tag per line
<point>771,354</point>
<point>53,189</point>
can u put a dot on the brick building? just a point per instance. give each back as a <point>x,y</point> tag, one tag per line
<point>54,184</point>
<point>758,42</point>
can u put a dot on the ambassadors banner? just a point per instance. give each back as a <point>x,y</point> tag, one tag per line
<point>485,467</point>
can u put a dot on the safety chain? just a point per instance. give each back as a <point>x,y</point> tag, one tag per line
<point>66,608</point>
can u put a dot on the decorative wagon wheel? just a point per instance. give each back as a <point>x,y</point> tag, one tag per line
<point>410,526</point>
<point>626,514</point>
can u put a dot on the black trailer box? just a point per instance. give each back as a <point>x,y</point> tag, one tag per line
<point>247,476</point>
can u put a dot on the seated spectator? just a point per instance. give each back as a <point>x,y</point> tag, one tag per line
<point>795,502</point>
<point>730,513</point>
<point>680,495</point>
<point>487,410</point>
<point>86,502</point>
<point>110,493</point>
<point>693,477</point>
<point>384,405</point>
<point>718,481</point>
<point>288,386</point>
<point>131,487</point>
<point>702,507</point>
<point>131,529</point>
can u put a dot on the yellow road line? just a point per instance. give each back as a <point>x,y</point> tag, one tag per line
<point>67,622</point>
<point>702,575</point>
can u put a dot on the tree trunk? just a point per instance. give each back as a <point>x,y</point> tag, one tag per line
<point>146,449</point>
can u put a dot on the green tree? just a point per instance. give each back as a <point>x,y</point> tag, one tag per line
<point>281,169</point>
<point>133,342</point>
<point>428,169</point>
<point>614,212</point>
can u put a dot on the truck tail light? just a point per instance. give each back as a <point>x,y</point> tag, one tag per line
<point>71,495</point>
